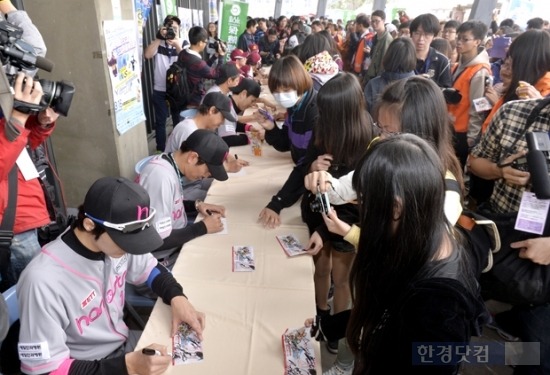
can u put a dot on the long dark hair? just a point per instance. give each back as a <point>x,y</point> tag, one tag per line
<point>420,106</point>
<point>530,53</point>
<point>392,251</point>
<point>344,128</point>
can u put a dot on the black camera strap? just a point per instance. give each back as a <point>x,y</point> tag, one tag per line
<point>530,120</point>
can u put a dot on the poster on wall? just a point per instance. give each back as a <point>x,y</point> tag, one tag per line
<point>195,17</point>
<point>142,9</point>
<point>186,17</point>
<point>124,70</point>
<point>233,22</point>
<point>212,11</point>
<point>201,19</point>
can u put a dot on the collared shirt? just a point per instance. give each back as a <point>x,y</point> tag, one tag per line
<point>497,143</point>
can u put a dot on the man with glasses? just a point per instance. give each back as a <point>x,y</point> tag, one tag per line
<point>71,296</point>
<point>197,69</point>
<point>380,44</point>
<point>429,63</point>
<point>449,30</point>
<point>469,79</point>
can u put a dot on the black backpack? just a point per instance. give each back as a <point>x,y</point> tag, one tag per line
<point>178,91</point>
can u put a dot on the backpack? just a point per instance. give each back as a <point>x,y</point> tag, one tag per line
<point>178,91</point>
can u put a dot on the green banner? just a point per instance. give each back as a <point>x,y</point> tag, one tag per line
<point>168,8</point>
<point>233,22</point>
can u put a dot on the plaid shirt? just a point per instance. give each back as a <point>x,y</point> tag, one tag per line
<point>496,144</point>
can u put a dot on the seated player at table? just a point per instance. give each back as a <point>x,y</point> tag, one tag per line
<point>71,296</point>
<point>200,156</point>
<point>243,96</point>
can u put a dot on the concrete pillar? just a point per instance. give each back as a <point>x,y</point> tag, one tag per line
<point>321,7</point>
<point>379,5</point>
<point>278,8</point>
<point>87,145</point>
<point>483,11</point>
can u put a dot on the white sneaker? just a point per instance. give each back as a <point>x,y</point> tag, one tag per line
<point>337,369</point>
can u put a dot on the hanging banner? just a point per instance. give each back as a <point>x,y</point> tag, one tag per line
<point>212,11</point>
<point>142,9</point>
<point>124,71</point>
<point>186,17</point>
<point>168,7</point>
<point>233,22</point>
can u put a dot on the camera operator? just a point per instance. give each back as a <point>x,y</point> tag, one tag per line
<point>214,43</point>
<point>165,49</point>
<point>18,131</point>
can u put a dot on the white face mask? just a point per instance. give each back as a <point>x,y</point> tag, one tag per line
<point>287,99</point>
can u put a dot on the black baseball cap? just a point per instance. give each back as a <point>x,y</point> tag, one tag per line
<point>251,86</point>
<point>226,71</point>
<point>222,104</point>
<point>212,149</point>
<point>123,208</point>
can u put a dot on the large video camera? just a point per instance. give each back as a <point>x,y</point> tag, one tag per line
<point>17,55</point>
<point>538,161</point>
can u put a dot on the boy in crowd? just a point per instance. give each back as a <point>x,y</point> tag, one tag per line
<point>469,80</point>
<point>75,289</point>
<point>197,69</point>
<point>429,63</point>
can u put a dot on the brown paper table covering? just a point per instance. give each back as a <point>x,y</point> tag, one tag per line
<point>246,312</point>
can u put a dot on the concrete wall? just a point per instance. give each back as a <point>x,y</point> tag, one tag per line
<point>86,144</point>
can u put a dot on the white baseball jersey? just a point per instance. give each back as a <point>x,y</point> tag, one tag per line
<point>71,305</point>
<point>161,181</point>
<point>180,134</point>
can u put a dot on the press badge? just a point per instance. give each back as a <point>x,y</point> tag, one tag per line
<point>33,351</point>
<point>482,104</point>
<point>532,213</point>
<point>26,166</point>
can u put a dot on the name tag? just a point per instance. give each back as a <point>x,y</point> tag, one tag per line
<point>532,213</point>
<point>26,166</point>
<point>33,351</point>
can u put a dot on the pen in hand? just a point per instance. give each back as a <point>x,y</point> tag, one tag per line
<point>149,351</point>
<point>236,157</point>
<point>209,212</point>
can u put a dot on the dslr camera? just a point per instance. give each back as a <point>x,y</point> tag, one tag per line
<point>321,203</point>
<point>170,31</point>
<point>217,44</point>
<point>538,160</point>
<point>17,55</point>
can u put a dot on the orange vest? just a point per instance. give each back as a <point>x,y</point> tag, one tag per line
<point>461,111</point>
<point>360,53</point>
<point>542,86</point>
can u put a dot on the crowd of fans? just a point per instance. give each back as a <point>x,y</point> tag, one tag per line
<point>405,124</point>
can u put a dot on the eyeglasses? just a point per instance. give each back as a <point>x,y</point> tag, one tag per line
<point>129,227</point>
<point>381,129</point>
<point>376,20</point>
<point>418,34</point>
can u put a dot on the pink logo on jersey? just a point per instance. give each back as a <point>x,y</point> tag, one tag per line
<point>141,211</point>
<point>96,312</point>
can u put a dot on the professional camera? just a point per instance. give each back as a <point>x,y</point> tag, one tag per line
<point>217,44</point>
<point>321,203</point>
<point>17,55</point>
<point>538,160</point>
<point>170,31</point>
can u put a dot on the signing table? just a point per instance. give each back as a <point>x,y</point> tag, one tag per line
<point>246,312</point>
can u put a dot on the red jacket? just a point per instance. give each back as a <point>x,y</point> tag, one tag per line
<point>31,211</point>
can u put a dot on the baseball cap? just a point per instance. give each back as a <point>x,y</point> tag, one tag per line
<point>221,102</point>
<point>238,53</point>
<point>225,72</point>
<point>253,58</point>
<point>212,149</point>
<point>123,208</point>
<point>253,47</point>
<point>252,87</point>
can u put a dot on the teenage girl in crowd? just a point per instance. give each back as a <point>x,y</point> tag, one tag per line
<point>411,279</point>
<point>526,75</point>
<point>292,88</point>
<point>340,138</point>
<point>413,105</point>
